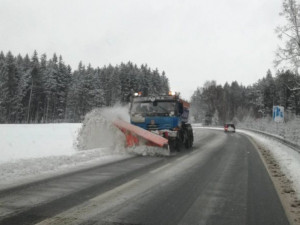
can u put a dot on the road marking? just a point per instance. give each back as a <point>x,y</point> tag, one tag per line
<point>114,191</point>
<point>160,168</point>
<point>65,218</point>
<point>182,158</point>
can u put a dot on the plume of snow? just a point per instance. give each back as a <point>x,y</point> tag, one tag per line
<point>98,131</point>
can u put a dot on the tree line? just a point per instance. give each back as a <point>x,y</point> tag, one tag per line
<point>41,90</point>
<point>217,104</point>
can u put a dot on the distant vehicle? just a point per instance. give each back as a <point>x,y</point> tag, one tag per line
<point>229,127</point>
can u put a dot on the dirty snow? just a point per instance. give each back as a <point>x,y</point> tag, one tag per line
<point>288,159</point>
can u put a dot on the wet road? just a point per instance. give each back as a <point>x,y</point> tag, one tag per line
<point>222,180</point>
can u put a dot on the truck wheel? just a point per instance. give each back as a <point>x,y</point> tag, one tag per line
<point>190,137</point>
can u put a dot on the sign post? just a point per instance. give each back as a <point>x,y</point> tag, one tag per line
<point>278,114</point>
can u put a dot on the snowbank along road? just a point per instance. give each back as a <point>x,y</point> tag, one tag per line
<point>222,180</point>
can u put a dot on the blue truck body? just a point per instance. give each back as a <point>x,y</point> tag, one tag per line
<point>165,115</point>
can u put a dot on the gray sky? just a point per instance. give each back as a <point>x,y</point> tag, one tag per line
<point>192,41</point>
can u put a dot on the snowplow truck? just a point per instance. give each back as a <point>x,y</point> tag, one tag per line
<point>158,121</point>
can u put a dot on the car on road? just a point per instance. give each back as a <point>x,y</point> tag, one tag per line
<point>229,127</point>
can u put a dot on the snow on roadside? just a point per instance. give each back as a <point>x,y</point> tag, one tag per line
<point>24,141</point>
<point>27,170</point>
<point>288,130</point>
<point>288,159</point>
<point>35,151</point>
<point>196,126</point>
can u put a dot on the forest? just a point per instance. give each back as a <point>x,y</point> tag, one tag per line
<point>216,104</point>
<point>41,90</point>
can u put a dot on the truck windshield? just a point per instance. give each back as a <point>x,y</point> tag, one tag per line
<point>153,108</point>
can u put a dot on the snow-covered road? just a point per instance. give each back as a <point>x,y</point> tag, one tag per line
<point>49,150</point>
<point>221,172</point>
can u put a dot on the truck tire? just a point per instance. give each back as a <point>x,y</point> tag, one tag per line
<point>189,137</point>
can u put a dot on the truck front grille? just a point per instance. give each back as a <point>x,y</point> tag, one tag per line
<point>152,127</point>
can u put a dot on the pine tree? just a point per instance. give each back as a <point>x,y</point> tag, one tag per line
<point>63,80</point>
<point>4,91</point>
<point>12,83</point>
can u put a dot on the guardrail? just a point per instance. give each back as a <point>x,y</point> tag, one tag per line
<point>290,144</point>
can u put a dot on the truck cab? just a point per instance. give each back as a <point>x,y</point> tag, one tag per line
<point>165,115</point>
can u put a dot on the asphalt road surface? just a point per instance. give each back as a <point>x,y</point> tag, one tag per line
<point>222,180</point>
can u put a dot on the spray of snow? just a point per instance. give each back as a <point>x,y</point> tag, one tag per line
<point>98,131</point>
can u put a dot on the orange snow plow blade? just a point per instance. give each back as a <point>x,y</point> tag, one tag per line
<point>134,134</point>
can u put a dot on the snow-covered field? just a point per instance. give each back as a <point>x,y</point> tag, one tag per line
<point>30,152</point>
<point>26,141</point>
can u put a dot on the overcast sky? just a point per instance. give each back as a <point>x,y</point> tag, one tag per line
<point>192,41</point>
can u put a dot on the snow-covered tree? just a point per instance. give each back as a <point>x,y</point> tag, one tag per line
<point>289,33</point>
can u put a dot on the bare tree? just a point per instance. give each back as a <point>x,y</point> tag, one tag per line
<point>289,53</point>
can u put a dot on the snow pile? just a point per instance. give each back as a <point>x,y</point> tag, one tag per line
<point>289,130</point>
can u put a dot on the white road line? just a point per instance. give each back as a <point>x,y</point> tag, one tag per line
<point>160,168</point>
<point>182,158</point>
<point>114,191</point>
<point>74,215</point>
